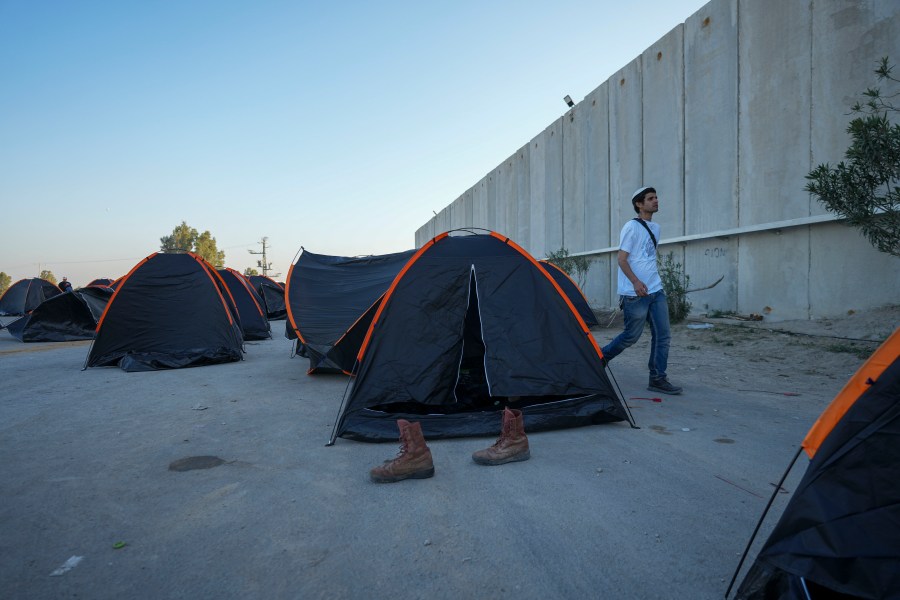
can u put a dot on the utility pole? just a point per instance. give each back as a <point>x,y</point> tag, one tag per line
<point>263,263</point>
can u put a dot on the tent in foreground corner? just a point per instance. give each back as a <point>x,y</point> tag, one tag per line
<point>470,325</point>
<point>272,294</point>
<point>331,301</point>
<point>169,311</point>
<point>254,324</point>
<point>25,295</point>
<point>64,317</point>
<point>839,536</point>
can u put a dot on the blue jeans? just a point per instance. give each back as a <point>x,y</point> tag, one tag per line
<point>638,310</point>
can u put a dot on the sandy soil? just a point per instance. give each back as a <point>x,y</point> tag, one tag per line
<point>789,357</point>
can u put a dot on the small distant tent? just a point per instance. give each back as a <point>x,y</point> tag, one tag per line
<point>169,311</point>
<point>331,301</point>
<point>839,536</point>
<point>573,292</point>
<point>272,294</point>
<point>25,295</point>
<point>64,317</point>
<point>254,324</point>
<point>472,324</point>
<point>102,281</point>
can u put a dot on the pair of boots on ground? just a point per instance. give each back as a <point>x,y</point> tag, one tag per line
<point>414,459</point>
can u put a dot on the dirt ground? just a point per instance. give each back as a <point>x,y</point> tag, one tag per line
<point>662,510</point>
<point>788,357</point>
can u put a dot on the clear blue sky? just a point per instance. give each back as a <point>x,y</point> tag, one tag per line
<point>336,126</point>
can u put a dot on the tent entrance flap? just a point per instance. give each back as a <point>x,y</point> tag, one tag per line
<point>472,392</point>
<point>472,388</point>
<point>471,325</point>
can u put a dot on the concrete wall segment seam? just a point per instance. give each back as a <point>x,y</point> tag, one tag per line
<point>760,84</point>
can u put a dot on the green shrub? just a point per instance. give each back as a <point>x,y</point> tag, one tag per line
<point>575,267</point>
<point>675,283</point>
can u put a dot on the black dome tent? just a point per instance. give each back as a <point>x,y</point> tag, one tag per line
<point>839,536</point>
<point>64,317</point>
<point>331,301</point>
<point>471,324</point>
<point>25,295</point>
<point>254,323</point>
<point>272,294</point>
<point>169,311</point>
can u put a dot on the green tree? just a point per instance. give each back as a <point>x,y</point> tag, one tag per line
<point>865,190</point>
<point>5,281</point>
<point>575,267</point>
<point>185,238</point>
<point>250,271</point>
<point>48,275</point>
<point>182,239</point>
<point>205,246</point>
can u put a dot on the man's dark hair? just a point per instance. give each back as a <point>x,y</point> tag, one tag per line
<point>639,197</point>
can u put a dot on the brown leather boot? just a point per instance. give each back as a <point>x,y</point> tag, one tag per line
<point>412,462</point>
<point>512,445</point>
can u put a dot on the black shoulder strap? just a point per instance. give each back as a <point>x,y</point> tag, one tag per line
<point>652,237</point>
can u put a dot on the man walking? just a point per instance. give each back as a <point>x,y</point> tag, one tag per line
<point>641,295</point>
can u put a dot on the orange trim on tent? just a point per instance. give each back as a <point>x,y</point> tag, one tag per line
<point>243,281</point>
<point>584,328</point>
<point>381,299</point>
<point>211,273</point>
<point>558,268</point>
<point>287,304</point>
<point>390,291</point>
<point>225,287</point>
<point>121,281</point>
<point>11,287</point>
<point>883,357</point>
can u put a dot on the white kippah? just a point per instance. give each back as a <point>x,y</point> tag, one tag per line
<point>638,192</point>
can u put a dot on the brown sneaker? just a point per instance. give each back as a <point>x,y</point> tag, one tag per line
<point>512,445</point>
<point>412,462</point>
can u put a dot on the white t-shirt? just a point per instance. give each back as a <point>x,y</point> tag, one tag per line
<point>635,240</point>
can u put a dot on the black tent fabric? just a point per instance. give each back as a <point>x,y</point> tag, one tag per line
<point>64,317</point>
<point>96,297</point>
<point>272,294</point>
<point>25,295</point>
<point>170,311</point>
<point>331,301</point>
<point>254,323</point>
<point>473,324</point>
<point>102,281</point>
<point>839,536</point>
<point>573,292</point>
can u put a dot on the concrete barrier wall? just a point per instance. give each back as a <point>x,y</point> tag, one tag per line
<point>724,115</point>
<point>595,111</point>
<point>711,152</point>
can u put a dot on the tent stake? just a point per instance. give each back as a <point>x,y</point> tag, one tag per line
<point>762,518</point>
